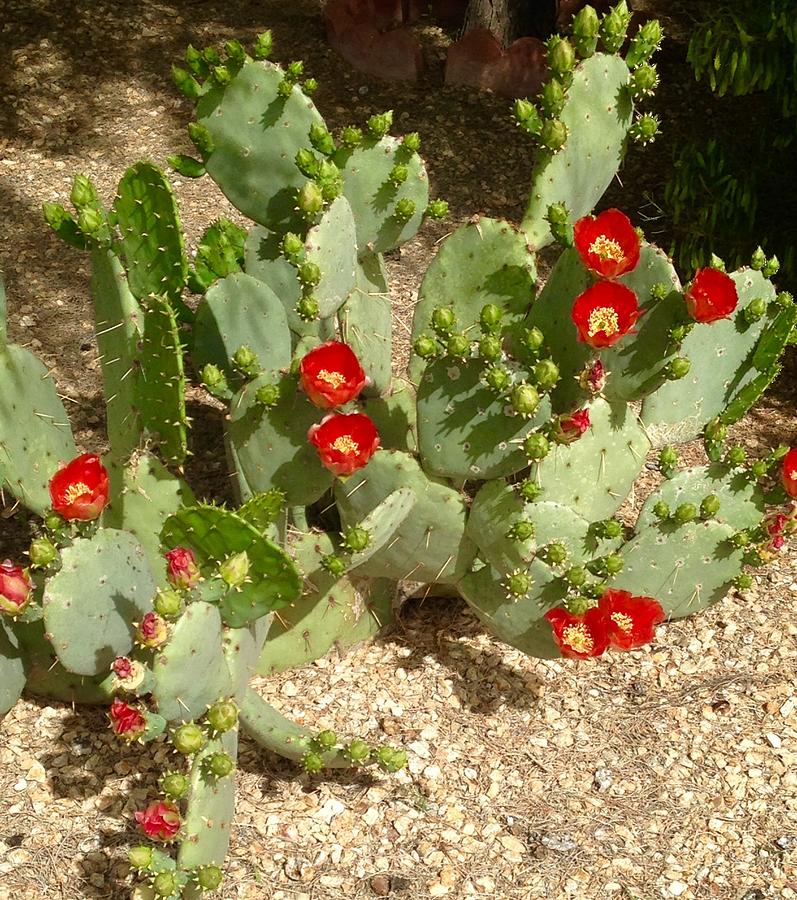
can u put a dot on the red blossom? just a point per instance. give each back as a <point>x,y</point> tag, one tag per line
<point>153,631</point>
<point>570,428</point>
<point>79,490</point>
<point>344,443</point>
<point>127,721</point>
<point>15,588</point>
<point>579,637</point>
<point>331,375</point>
<point>788,472</point>
<point>182,568</point>
<point>630,621</point>
<point>607,243</point>
<point>711,295</point>
<point>160,821</point>
<point>604,313</point>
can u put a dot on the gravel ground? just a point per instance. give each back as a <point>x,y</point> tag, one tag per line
<point>664,773</point>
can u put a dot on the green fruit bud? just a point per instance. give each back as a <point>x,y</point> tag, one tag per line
<point>295,69</point>
<point>196,64</point>
<point>53,522</point>
<point>165,884</point>
<point>267,396</point>
<point>759,468</point>
<point>497,379</point>
<point>398,175</point>
<point>756,309</point>
<point>351,137</point>
<point>758,259</point>
<point>525,399</point>
<point>678,368</point>
<point>458,346</point>
<point>245,360</point>
<point>186,84</point>
<point>771,268</point>
<point>645,42</point>
<point>174,785</point>
<point>186,165</point>
<point>211,56</point>
<point>490,347</point>
<point>437,209</point>
<point>668,458</point>
<point>140,857</point>
<point>356,539</point>
<point>328,740</point>
<point>614,564</point>
<point>527,116</point>
<point>443,319</point>
<point>709,506</point>
<point>784,299</point>
<point>412,142</point>
<point>586,26</point>
<point>744,582</point>
<point>307,163</point>
<point>333,564</point>
<point>522,530</point>
<point>532,340</point>
<point>309,273</point>
<point>558,214</point>
<point>716,262</point>
<point>740,538</point>
<point>263,45</point>
<point>518,584</point>
<point>223,716</point>
<point>201,138</point>
<point>736,456</point>
<point>90,221</point>
<point>321,139</point>
<point>529,490</point>
<point>660,290</point>
<point>577,606</point>
<point>661,510</point>
<point>219,765</point>
<point>536,446</point>
<point>614,27</point>
<point>307,309</point>
<point>234,571</point>
<point>685,512</point>
<point>553,134</point>
<point>55,215</point>
<point>189,739</point>
<point>292,245</point>
<point>596,589</point>
<point>310,86</point>
<point>609,529</point>
<point>358,751</point>
<point>426,346</point>
<point>42,552</point>
<point>546,374</point>
<point>490,318</point>
<point>330,180</point>
<point>645,129</point>
<point>214,379</point>
<point>554,553</point>
<point>552,100</point>
<point>83,192</point>
<point>310,198</point>
<point>168,603</point>
<point>575,576</point>
<point>561,56</point>
<point>391,760</point>
<point>405,209</point>
<point>644,81</point>
<point>284,89</point>
<point>752,557</point>
<point>221,75</point>
<point>715,431</point>
<point>379,125</point>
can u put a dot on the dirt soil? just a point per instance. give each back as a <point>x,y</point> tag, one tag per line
<point>670,772</point>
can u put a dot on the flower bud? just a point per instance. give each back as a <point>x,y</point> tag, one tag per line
<point>524,399</point>
<point>740,538</point>
<point>490,347</point>
<point>586,26</point>
<point>437,209</point>
<point>668,458</point>
<point>321,139</point>
<point>758,260</point>
<point>223,716</point>
<point>188,739</point>
<point>756,309</point>
<point>411,142</point>
<point>614,27</point>
<point>358,751</point>
<point>390,759</point>
<point>561,56</point>
<point>443,319</point>
<point>614,564</point>
<point>715,430</point>
<point>209,878</point>
<point>309,273</point>
<point>379,125</point>
<point>527,116</point>
<point>295,69</point>
<point>398,174</point>
<point>685,512</point>
<point>610,529</point>
<point>351,137</point>
<point>518,584</point>
<point>263,45</point>
<point>577,606</point>
<point>90,221</point>
<point>83,192</point>
<point>245,360</point>
<point>552,100</point>
<point>221,75</point>
<point>644,43</point>
<point>330,180</point>
<point>744,582</point>
<point>165,884</point>
<point>497,379</point>
<point>546,374</point>
<point>645,129</point>
<point>553,134</point>
<point>575,576</point>
<point>42,552</point>
<point>140,857</point>
<point>558,218</point>
<point>182,569</point>
<point>307,309</point>
<point>214,380</point>
<point>327,739</point>
<point>310,198</point>
<point>736,456</point>
<point>334,565</point>
<point>356,539</point>
<point>522,530</point>
<point>490,318</point>
<point>784,300</point>
<point>529,490</point>
<point>219,765</point>
<point>174,785</point>
<point>661,510</point>
<point>458,346</point>
<point>678,368</point>
<point>307,162</point>
<point>710,506</point>
<point>153,631</point>
<point>313,762</point>
<point>554,553</point>
<point>405,209</point>
<point>426,346</point>
<point>195,62</point>
<point>532,339</point>
<point>284,89</point>
<point>234,571</point>
<point>201,138</point>
<point>267,396</point>
<point>678,333</point>
<point>644,81</point>
<point>292,245</point>
<point>168,604</point>
<point>536,446</point>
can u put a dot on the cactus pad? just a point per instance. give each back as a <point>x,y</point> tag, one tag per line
<point>331,246</point>
<point>12,670</point>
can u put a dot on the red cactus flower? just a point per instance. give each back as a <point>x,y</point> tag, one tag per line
<point>777,542</point>
<point>122,667</point>
<point>79,490</point>
<point>788,472</point>
<point>182,569</point>
<point>592,378</point>
<point>607,243</point>
<point>579,637</point>
<point>160,821</point>
<point>331,375</point>
<point>153,631</point>
<point>15,588</point>
<point>570,428</point>
<point>604,313</point>
<point>344,443</point>
<point>711,295</point>
<point>630,621</point>
<point>127,721</point>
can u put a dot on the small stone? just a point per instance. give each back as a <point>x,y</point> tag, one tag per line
<point>772,739</point>
<point>559,844</point>
<point>677,888</point>
<point>603,779</point>
<point>380,885</point>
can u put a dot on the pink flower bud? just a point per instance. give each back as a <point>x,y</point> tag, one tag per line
<point>593,377</point>
<point>153,631</point>
<point>127,721</point>
<point>15,588</point>
<point>182,568</point>
<point>160,821</point>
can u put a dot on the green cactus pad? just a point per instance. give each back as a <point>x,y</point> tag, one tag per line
<point>161,380</point>
<point>486,261</point>
<point>149,495</point>
<point>366,323</point>
<point>271,445</point>
<point>723,356</point>
<point>216,534</point>
<point>395,417</point>
<point>104,586</point>
<point>637,362</point>
<point>430,545</point>
<point>686,568</point>
<point>118,324</point>
<point>382,523</point>
<point>256,135</point>
<point>263,510</point>
<point>518,622</point>
<point>373,198</point>
<point>594,475</point>
<point>464,430</point>
<point>598,114</point>
<point>331,246</point>
<point>241,311</point>
<point>35,436</point>
<point>190,672</point>
<point>332,612</point>
<point>242,647</point>
<point>741,499</point>
<point>210,807</point>
<point>151,244</point>
<point>263,260</point>
<point>12,670</point>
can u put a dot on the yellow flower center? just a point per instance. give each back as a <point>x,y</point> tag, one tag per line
<point>606,248</point>
<point>333,378</point>
<point>622,621</point>
<point>792,475</point>
<point>345,444</point>
<point>76,490</point>
<point>578,637</point>
<point>604,319</point>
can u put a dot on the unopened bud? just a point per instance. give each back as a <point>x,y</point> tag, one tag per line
<point>398,174</point>
<point>201,138</point>
<point>309,273</point>
<point>521,530</point>
<point>307,162</point>
<point>358,751</point>
<point>546,374</point>
<point>411,142</point>
<point>263,45</point>
<point>678,368</point>
<point>532,339</point>
<point>458,346</point>
<point>405,209</point>
<point>327,739</point>
<point>529,490</point>
<point>267,396</point>
<point>219,765</point>
<point>188,739</point>
<point>351,137</point>
<point>645,129</point>
<point>426,346</point>
<point>561,56</point>
<point>295,69</point>
<point>710,506</point>
<point>644,43</point>
<point>223,716</point>
<point>737,455</point>
<point>356,539</point>
<point>89,220</point>
<point>310,198</point>
<point>379,125</point>
<point>614,27</point>
<point>758,259</point>
<point>524,399</point>
<point>209,878</point>
<point>536,446</point>
<point>552,100</point>
<point>685,512</point>
<point>553,134</point>
<point>165,884</point>
<point>174,785</point>
<point>756,309</point>
<point>321,139</point>
<point>644,81</point>
<point>214,379</point>
<point>234,571</point>
<point>307,309</point>
<point>527,116</point>
<point>497,379</point>
<point>443,319</point>
<point>83,192</point>
<point>168,603</point>
<point>518,584</point>
<point>334,565</point>
<point>437,209</point>
<point>586,26</point>
<point>245,360</point>
<point>661,510</point>
<point>490,347</point>
<point>575,576</point>
<point>390,759</point>
<point>42,552</point>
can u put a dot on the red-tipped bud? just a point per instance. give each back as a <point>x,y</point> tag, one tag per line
<point>15,588</point>
<point>182,569</point>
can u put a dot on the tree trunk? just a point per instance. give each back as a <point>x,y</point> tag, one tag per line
<point>510,19</point>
